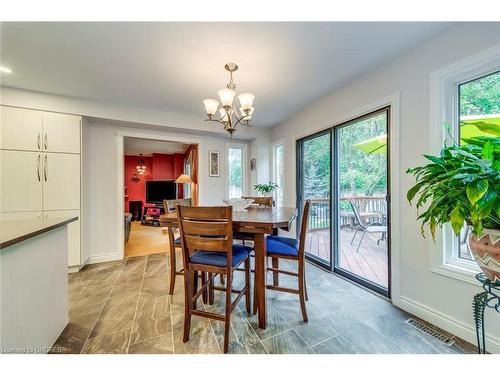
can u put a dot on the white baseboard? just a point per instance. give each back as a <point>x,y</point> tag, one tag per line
<point>455,327</point>
<point>107,257</point>
<point>74,269</point>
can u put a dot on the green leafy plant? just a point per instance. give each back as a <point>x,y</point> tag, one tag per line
<point>266,188</point>
<point>461,185</point>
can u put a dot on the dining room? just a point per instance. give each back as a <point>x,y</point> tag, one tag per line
<point>281,200</point>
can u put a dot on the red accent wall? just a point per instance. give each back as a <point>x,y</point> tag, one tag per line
<point>163,167</point>
<point>158,167</point>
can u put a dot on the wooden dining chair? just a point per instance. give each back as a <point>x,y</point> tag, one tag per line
<point>289,248</point>
<point>207,245</point>
<point>173,243</point>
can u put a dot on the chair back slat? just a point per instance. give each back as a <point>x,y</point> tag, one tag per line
<point>200,228</point>
<point>261,201</point>
<point>206,213</point>
<point>202,243</point>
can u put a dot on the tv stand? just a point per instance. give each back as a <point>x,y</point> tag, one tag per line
<point>152,219</point>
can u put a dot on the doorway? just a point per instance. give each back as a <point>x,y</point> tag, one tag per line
<point>344,171</point>
<point>150,170</point>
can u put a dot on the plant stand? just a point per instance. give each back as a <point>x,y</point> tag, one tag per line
<point>490,298</point>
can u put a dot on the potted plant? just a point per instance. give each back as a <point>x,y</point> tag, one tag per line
<point>266,189</point>
<point>462,186</point>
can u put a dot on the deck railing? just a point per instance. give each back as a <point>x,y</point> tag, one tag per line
<point>319,214</point>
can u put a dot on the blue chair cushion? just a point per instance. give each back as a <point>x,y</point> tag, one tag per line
<point>212,258</point>
<point>282,245</point>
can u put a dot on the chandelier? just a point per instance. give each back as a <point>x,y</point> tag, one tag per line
<point>228,115</point>
<point>140,168</point>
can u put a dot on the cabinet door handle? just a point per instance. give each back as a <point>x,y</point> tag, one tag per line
<point>39,140</point>
<point>46,169</point>
<point>45,141</point>
<point>38,168</point>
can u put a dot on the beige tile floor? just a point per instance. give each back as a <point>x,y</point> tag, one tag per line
<point>124,307</point>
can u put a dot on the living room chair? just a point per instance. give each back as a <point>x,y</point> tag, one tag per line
<point>279,247</point>
<point>207,245</point>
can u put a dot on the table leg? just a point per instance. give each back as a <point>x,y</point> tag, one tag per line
<point>260,277</point>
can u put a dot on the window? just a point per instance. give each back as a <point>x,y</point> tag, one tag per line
<point>278,178</point>
<point>460,93</point>
<point>478,99</point>
<point>187,187</point>
<point>235,162</point>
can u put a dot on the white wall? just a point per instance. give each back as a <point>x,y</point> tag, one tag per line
<point>439,299</point>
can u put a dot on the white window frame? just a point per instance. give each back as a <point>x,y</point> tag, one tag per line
<point>281,186</point>
<point>444,85</point>
<point>244,148</point>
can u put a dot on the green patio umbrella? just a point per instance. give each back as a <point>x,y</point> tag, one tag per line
<point>480,127</point>
<point>376,145</point>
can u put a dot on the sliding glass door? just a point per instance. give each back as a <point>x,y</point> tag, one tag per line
<point>315,183</point>
<point>362,215</point>
<point>345,172</point>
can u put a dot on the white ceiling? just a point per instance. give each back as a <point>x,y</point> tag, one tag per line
<point>174,66</point>
<point>136,146</point>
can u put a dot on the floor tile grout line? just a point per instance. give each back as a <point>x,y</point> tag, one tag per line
<point>277,334</point>
<point>136,305</point>
<point>213,330</point>
<point>322,341</point>
<point>255,332</point>
<point>102,308</point>
<point>171,323</point>
<point>85,286</point>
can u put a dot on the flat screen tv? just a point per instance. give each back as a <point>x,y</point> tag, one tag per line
<point>157,191</point>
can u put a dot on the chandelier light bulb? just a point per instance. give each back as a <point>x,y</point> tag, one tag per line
<point>247,112</point>
<point>211,106</point>
<point>226,97</point>
<point>246,100</point>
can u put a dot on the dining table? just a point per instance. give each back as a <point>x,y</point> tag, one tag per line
<point>256,222</point>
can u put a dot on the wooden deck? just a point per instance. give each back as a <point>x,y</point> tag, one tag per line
<point>370,262</point>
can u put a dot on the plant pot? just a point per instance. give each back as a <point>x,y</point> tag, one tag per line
<point>486,252</point>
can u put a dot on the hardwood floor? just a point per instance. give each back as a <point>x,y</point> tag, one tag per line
<point>124,307</point>
<point>370,262</point>
<point>145,240</point>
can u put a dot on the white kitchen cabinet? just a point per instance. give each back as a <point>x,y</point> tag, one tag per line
<point>61,133</point>
<point>30,215</point>
<point>61,181</point>
<point>20,181</point>
<point>21,129</point>
<point>73,233</point>
<point>40,169</point>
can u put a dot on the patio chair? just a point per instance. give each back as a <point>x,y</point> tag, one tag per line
<point>364,227</point>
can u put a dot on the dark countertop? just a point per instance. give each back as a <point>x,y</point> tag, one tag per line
<point>15,231</point>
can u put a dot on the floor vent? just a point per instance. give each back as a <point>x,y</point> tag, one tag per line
<point>430,331</point>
